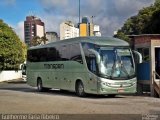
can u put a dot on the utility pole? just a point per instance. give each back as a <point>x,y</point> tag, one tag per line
<point>79,16</point>
<point>79,11</point>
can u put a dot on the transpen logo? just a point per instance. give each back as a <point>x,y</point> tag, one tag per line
<point>54,66</point>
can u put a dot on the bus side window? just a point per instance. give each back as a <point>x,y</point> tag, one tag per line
<point>75,53</point>
<point>92,63</point>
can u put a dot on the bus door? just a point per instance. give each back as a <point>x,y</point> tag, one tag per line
<point>93,68</point>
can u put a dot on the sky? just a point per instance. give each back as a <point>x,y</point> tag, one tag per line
<point>109,14</point>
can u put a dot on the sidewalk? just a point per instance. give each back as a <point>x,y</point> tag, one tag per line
<point>20,80</point>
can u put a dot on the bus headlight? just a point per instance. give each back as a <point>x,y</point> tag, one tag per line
<point>118,84</point>
<point>106,84</point>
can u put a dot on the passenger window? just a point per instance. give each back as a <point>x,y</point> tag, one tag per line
<point>64,52</point>
<point>51,54</point>
<point>76,53</point>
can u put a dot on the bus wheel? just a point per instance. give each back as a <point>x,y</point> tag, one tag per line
<point>80,89</point>
<point>39,85</point>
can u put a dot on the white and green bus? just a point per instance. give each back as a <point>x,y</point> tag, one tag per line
<point>94,65</point>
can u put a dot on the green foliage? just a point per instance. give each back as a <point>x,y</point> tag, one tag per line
<point>44,39</point>
<point>147,21</point>
<point>35,41</point>
<point>12,50</point>
<point>38,40</point>
<point>122,36</point>
<point>157,3</point>
<point>153,26</point>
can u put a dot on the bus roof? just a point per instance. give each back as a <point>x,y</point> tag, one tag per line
<point>104,41</point>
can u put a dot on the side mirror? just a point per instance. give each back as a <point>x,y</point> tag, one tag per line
<point>23,69</point>
<point>93,66</point>
<point>97,55</point>
<point>138,56</point>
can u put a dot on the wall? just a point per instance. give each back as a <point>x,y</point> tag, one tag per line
<point>40,30</point>
<point>10,75</point>
<point>83,29</point>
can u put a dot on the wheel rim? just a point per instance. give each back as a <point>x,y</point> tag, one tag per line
<point>80,89</point>
<point>39,86</point>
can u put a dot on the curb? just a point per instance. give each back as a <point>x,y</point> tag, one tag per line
<point>15,81</point>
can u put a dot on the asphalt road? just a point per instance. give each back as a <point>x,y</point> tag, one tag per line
<point>19,98</point>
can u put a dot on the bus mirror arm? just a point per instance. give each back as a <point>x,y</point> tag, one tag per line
<point>139,56</point>
<point>96,54</point>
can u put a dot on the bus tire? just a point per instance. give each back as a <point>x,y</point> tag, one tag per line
<point>112,95</point>
<point>40,85</point>
<point>80,89</point>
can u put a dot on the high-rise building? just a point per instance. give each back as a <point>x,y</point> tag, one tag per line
<point>86,28</point>
<point>85,20</point>
<point>33,26</point>
<point>83,29</point>
<point>68,30</point>
<point>96,30</point>
<point>91,29</point>
<point>52,37</point>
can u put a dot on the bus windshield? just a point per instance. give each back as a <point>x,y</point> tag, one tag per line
<point>116,63</point>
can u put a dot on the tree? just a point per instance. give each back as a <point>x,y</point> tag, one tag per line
<point>35,41</point>
<point>38,40</point>
<point>147,21</point>
<point>153,26</point>
<point>12,50</point>
<point>44,39</point>
<point>122,36</point>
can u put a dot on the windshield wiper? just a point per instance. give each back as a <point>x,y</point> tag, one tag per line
<point>122,65</point>
<point>113,68</point>
<point>105,76</point>
<point>118,62</point>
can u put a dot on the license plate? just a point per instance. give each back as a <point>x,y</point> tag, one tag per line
<point>120,90</point>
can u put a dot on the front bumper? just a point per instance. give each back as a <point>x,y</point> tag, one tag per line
<point>117,87</point>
